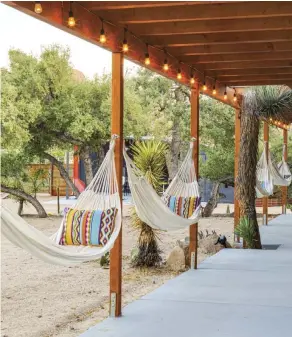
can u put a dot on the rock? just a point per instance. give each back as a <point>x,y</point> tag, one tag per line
<point>207,244</point>
<point>176,259</point>
<point>184,245</point>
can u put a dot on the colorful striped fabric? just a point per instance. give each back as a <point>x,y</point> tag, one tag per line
<point>87,228</point>
<point>183,206</point>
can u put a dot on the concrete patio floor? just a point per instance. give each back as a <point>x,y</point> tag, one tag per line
<point>242,293</point>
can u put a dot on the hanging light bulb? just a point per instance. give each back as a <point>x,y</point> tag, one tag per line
<point>234,96</point>
<point>125,42</point>
<point>271,119</point>
<point>147,56</point>
<point>205,86</point>
<point>165,65</point>
<point>225,94</point>
<point>192,79</point>
<point>179,74</point>
<point>102,37</point>
<point>38,7</point>
<point>71,19</point>
<point>214,92</point>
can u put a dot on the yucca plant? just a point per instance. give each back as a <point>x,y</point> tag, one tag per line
<point>149,157</point>
<point>245,229</point>
<point>259,102</point>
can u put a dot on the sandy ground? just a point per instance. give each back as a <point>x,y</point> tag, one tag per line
<point>41,300</point>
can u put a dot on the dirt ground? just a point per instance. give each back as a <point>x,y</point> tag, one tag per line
<point>41,300</point>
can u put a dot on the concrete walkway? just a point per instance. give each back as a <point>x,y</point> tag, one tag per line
<point>242,293</point>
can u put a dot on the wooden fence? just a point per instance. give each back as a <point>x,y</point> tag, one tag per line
<point>54,179</point>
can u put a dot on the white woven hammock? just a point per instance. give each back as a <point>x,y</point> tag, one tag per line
<point>151,208</point>
<point>284,169</point>
<point>270,175</point>
<point>102,193</point>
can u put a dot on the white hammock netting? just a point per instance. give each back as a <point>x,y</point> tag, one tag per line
<point>151,208</point>
<point>270,175</point>
<point>102,193</point>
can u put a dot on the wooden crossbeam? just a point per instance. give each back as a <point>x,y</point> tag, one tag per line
<point>250,64</point>
<point>201,59</point>
<point>121,5</point>
<point>221,74</point>
<point>197,39</point>
<point>255,78</point>
<point>232,48</point>
<point>246,83</point>
<point>212,26</point>
<point>195,11</point>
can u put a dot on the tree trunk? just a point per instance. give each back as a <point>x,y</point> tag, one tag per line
<point>85,156</point>
<point>20,207</point>
<point>64,174</point>
<point>246,179</point>
<point>22,195</point>
<point>213,201</point>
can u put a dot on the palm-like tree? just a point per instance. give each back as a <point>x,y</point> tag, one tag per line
<point>149,157</point>
<point>258,103</point>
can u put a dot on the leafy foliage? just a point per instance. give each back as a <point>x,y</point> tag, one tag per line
<point>246,230</point>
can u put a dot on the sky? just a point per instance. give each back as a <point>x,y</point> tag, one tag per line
<point>21,31</point>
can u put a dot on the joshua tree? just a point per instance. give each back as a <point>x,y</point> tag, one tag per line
<point>258,103</point>
<point>149,157</point>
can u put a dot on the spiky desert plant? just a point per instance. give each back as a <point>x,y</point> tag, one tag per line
<point>149,157</point>
<point>246,231</point>
<point>260,102</point>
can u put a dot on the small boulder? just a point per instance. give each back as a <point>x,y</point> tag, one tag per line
<point>176,259</point>
<point>207,244</point>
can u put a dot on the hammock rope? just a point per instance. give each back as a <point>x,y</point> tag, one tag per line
<point>151,208</point>
<point>101,193</point>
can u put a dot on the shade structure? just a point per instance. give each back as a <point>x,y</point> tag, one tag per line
<point>223,44</point>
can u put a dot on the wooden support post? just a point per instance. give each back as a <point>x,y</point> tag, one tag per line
<point>265,199</point>
<point>193,248</point>
<point>117,128</point>
<point>236,160</point>
<point>285,188</point>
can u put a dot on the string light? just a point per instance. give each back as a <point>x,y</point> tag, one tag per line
<point>147,56</point>
<point>102,37</point>
<point>204,86</point>
<point>38,7</point>
<point>165,63</point>
<point>214,92</point>
<point>192,79</point>
<point>179,74</point>
<point>234,96</point>
<point>71,19</point>
<point>271,119</point>
<point>125,43</point>
<point>225,94</point>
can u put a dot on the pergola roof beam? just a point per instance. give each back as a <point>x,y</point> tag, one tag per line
<point>195,11</point>
<point>232,48</point>
<point>212,26</point>
<point>179,40</point>
<point>248,64</point>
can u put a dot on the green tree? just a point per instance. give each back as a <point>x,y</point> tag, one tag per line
<point>15,180</point>
<point>259,102</point>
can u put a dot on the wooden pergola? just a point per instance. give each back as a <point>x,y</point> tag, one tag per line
<point>217,48</point>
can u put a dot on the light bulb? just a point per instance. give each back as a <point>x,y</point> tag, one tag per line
<point>38,7</point>
<point>147,59</point>
<point>204,86</point>
<point>271,119</point>
<point>102,37</point>
<point>165,65</point>
<point>179,75</point>
<point>125,46</point>
<point>71,20</point>
<point>225,96</point>
<point>192,80</point>
<point>234,98</point>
